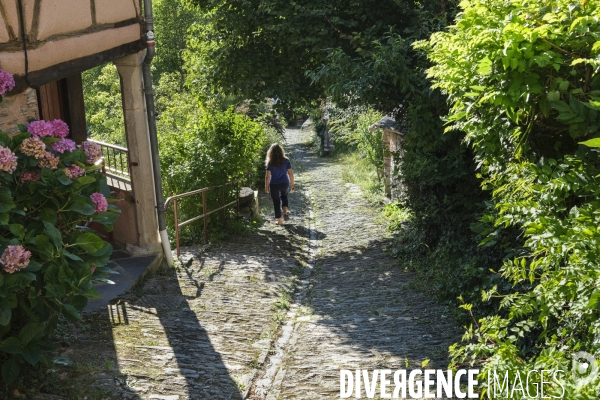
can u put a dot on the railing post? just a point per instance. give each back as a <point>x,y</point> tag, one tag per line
<point>223,204</point>
<point>204,212</point>
<point>176,215</point>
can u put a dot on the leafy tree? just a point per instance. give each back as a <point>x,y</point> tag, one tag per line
<point>171,23</point>
<point>103,106</point>
<point>523,83</point>
<point>264,48</point>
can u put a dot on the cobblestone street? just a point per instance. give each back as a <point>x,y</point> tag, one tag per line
<point>274,314</point>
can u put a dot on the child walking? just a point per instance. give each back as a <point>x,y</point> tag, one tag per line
<point>277,180</point>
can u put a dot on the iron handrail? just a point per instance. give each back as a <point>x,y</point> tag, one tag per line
<point>113,159</point>
<point>205,213</point>
<point>112,146</point>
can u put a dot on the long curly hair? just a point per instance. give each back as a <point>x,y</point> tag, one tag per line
<point>275,156</point>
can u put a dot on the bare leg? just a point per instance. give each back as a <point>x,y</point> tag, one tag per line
<point>285,214</point>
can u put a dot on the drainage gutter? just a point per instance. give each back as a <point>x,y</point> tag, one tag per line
<point>150,109</point>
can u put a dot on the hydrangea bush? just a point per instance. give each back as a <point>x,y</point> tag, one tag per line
<point>50,191</point>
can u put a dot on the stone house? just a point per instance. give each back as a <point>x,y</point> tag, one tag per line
<point>46,45</point>
<point>392,146</point>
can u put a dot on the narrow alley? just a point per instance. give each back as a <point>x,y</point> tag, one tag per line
<point>274,314</point>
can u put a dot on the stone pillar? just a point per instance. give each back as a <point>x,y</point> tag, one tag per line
<point>138,144</point>
<point>387,163</point>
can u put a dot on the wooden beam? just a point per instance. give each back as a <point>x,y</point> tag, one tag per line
<point>76,108</point>
<point>68,68</point>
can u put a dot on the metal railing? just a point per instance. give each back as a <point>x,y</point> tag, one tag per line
<point>116,159</point>
<point>206,213</point>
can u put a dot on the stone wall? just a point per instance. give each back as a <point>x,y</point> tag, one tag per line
<point>17,109</point>
<point>392,141</point>
<point>59,31</point>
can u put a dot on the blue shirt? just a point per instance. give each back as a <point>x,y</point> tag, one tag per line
<point>280,174</point>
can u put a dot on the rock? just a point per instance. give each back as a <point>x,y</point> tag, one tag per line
<point>246,196</point>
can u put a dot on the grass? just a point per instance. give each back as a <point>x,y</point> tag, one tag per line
<point>358,172</point>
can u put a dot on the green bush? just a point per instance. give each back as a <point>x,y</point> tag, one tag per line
<point>523,81</point>
<point>350,129</point>
<point>201,147</point>
<point>49,191</point>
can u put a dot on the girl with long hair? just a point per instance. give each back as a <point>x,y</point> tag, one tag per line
<point>278,178</point>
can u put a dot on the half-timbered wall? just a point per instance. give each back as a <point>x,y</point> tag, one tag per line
<point>59,31</point>
<point>63,38</point>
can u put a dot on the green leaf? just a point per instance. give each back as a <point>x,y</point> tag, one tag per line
<point>11,345</point>
<point>46,345</point>
<point>33,266</point>
<point>89,242</point>
<point>105,250</point>
<point>45,249</point>
<point>594,300</point>
<point>554,95</point>
<point>32,355</point>
<point>4,139</point>
<point>4,219</point>
<point>6,200</point>
<point>48,215</point>
<point>72,256</point>
<point>79,302</point>
<point>18,281</point>
<point>10,370</point>
<point>591,143</point>
<point>54,234</point>
<point>18,230</point>
<point>29,332</point>
<point>86,180</point>
<point>81,207</point>
<point>64,180</point>
<point>5,313</point>
<point>71,313</point>
<point>106,217</point>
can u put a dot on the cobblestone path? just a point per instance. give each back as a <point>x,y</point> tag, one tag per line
<point>274,314</point>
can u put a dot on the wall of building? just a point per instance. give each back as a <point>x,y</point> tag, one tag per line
<point>17,109</point>
<point>59,31</point>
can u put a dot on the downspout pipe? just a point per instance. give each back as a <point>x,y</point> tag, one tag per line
<point>149,92</point>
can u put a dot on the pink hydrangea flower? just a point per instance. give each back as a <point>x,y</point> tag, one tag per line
<point>14,258</point>
<point>30,176</point>
<point>74,171</point>
<point>49,161</point>
<point>93,268</point>
<point>60,128</point>
<point>64,145</point>
<point>8,160</point>
<point>7,82</point>
<point>92,150</point>
<point>33,147</point>
<point>40,128</point>
<point>100,203</point>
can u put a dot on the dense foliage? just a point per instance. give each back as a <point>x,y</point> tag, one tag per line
<point>50,191</point>
<point>522,78</point>
<point>103,106</point>
<point>203,147</point>
<point>264,48</point>
<point>350,129</point>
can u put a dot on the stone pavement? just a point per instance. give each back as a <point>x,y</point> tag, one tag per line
<point>274,314</point>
